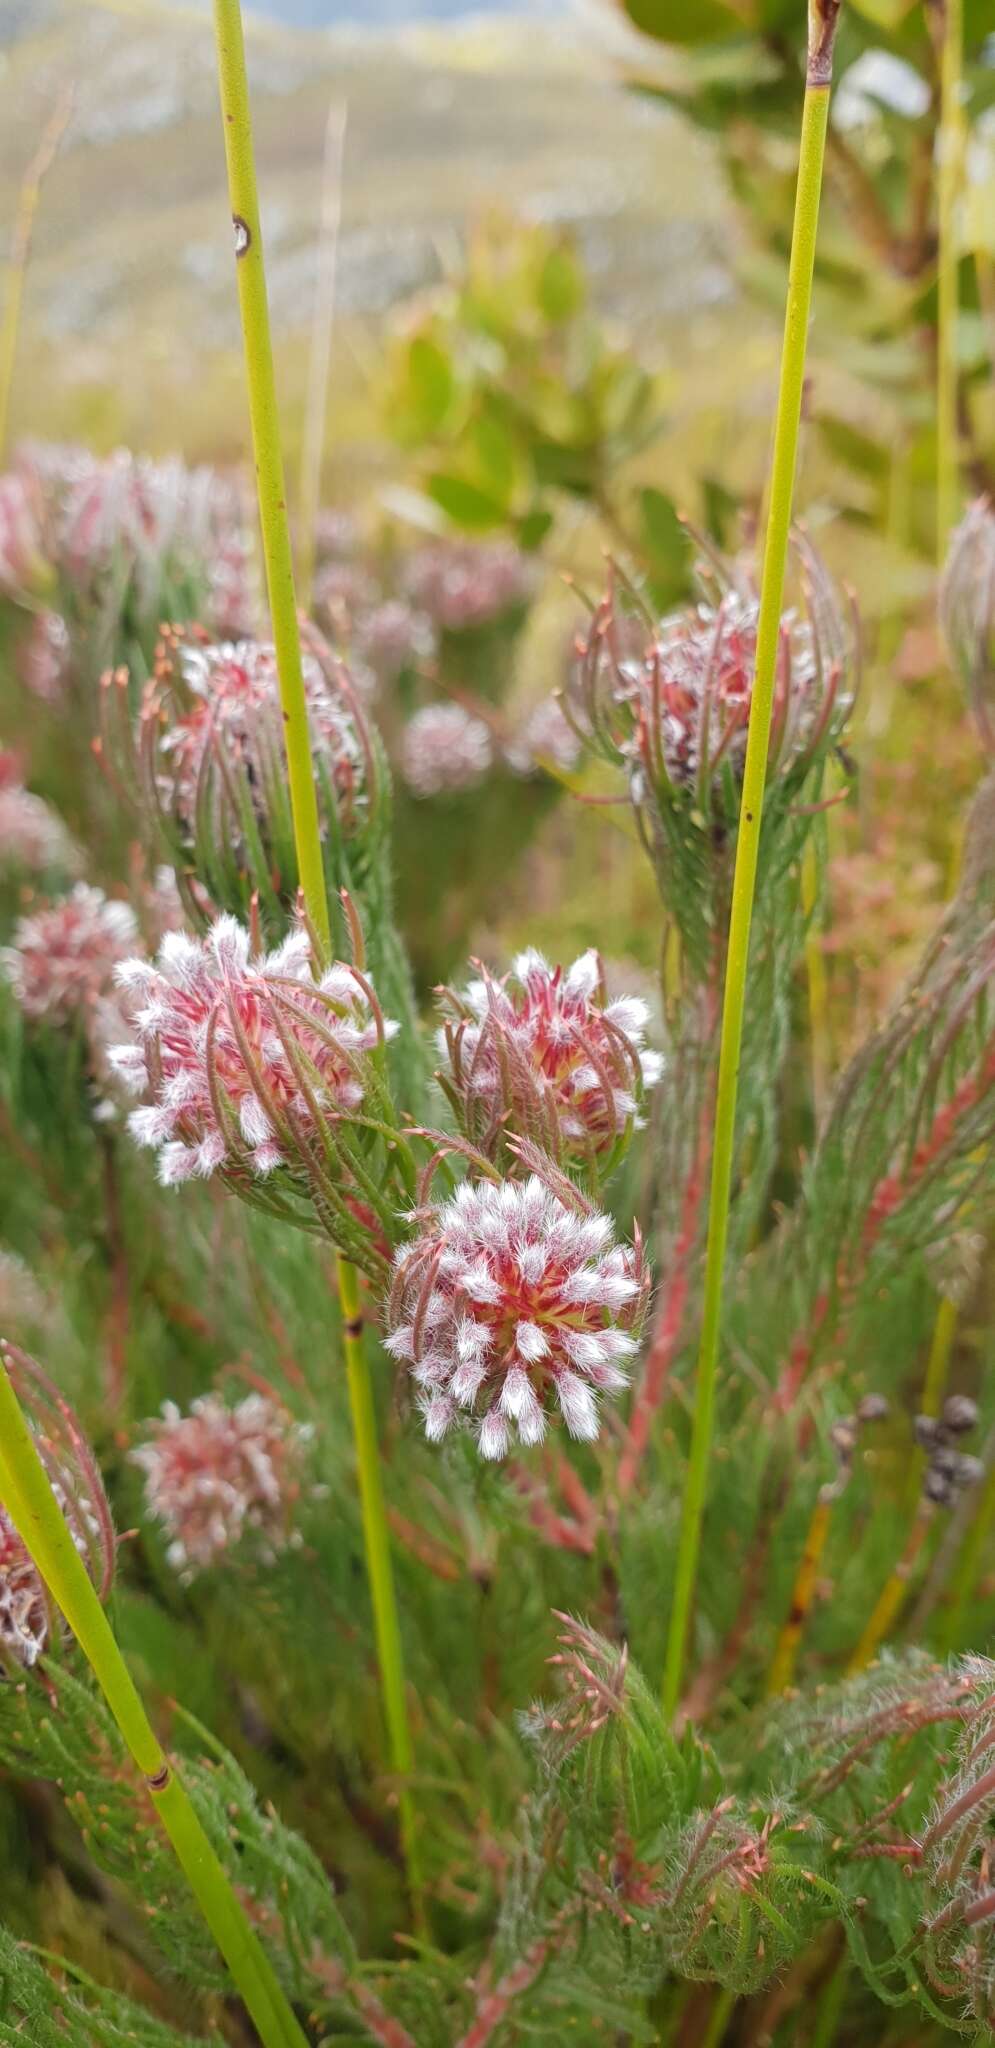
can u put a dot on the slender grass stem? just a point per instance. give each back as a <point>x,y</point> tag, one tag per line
<point>20,251</point>
<point>718,2020</point>
<point>28,1498</point>
<point>822,23</point>
<point>274,523</point>
<point>951,133</point>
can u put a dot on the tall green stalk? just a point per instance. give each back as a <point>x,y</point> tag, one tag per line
<point>264,416</point>
<point>823,17</point>
<point>28,1498</point>
<point>947,433</point>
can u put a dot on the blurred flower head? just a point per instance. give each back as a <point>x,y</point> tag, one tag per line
<point>967,611</point>
<point>506,1299</point>
<point>27,1619</point>
<point>466,584</point>
<point>43,657</point>
<point>221,1477</point>
<point>546,736</point>
<point>62,960</point>
<point>23,568</point>
<point>391,637</point>
<point>242,1058</point>
<point>33,838</point>
<point>444,751</point>
<point>542,1053</point>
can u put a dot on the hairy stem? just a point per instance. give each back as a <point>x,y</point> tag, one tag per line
<point>810,163</point>
<point>28,1498</point>
<point>264,416</point>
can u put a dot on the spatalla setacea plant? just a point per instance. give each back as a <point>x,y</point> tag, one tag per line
<point>557,1488</point>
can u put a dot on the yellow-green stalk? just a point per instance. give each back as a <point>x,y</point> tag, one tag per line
<point>27,1496</point>
<point>275,526</point>
<point>20,251</point>
<point>823,18</point>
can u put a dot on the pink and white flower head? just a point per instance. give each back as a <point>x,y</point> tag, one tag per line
<point>445,751</point>
<point>27,1618</point>
<point>967,610</point>
<point>546,737</point>
<point>23,568</point>
<point>216,713</point>
<point>33,838</point>
<point>467,584</point>
<point>242,1056</point>
<point>543,1054</point>
<point>63,959</point>
<point>507,1299</point>
<point>223,1476</point>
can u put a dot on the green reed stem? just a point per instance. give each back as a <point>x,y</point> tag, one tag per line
<point>270,485</point>
<point>28,1498</point>
<point>947,431</point>
<point>264,416</point>
<point>822,21</point>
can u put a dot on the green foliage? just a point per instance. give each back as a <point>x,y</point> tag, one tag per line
<point>507,393</point>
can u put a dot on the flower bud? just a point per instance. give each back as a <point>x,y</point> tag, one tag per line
<point>672,704</point>
<point>507,1298</point>
<point>543,1054</point>
<point>207,767</point>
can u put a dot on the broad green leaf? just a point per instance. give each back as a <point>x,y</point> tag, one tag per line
<point>465,504</point>
<point>494,449</point>
<point>560,290</point>
<point>430,382</point>
<point>684,21</point>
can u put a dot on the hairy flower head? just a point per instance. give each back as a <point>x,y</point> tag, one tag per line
<point>242,1057</point>
<point>676,708</point>
<point>220,1476</point>
<point>542,1053</point>
<point>218,721</point>
<point>507,1298</point>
